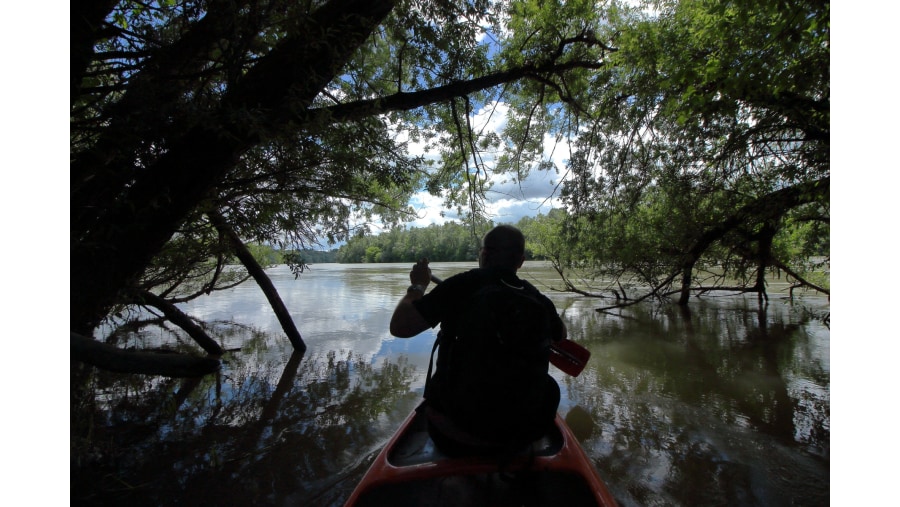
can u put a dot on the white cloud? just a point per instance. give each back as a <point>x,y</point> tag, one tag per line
<point>491,118</point>
<point>430,210</point>
<point>512,199</point>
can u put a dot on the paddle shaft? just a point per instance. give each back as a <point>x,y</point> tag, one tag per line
<point>565,354</point>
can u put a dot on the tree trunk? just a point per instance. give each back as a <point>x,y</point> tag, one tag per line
<point>90,351</point>
<point>766,236</point>
<point>263,280</point>
<point>687,277</point>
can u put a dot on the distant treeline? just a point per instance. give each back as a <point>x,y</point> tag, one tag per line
<point>266,255</point>
<point>450,242</point>
<point>318,256</point>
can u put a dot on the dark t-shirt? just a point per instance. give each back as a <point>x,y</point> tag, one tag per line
<point>475,393</point>
<point>445,303</point>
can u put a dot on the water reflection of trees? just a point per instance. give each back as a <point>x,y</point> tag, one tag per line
<point>695,409</point>
<point>270,429</point>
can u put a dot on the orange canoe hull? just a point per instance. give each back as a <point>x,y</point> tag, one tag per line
<point>410,471</point>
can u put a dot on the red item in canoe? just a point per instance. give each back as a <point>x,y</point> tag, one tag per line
<point>569,356</point>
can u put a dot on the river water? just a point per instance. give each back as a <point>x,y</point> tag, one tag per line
<point>726,405</point>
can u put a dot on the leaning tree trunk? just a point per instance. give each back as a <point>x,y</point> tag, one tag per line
<point>181,320</point>
<point>262,279</point>
<point>90,351</point>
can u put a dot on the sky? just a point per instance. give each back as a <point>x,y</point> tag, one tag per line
<point>508,200</point>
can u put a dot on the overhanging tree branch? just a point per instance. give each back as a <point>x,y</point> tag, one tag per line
<point>181,320</point>
<point>108,357</point>
<point>405,101</point>
<point>803,281</point>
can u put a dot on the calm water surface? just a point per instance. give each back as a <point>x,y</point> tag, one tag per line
<point>729,405</point>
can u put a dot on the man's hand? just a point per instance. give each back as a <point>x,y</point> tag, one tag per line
<point>421,273</point>
<point>406,321</point>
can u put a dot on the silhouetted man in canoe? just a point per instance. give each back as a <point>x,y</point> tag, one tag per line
<point>490,392</point>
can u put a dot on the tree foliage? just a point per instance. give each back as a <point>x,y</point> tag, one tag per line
<point>449,242</point>
<point>704,143</point>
